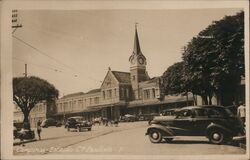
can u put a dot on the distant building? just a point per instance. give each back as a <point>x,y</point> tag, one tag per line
<point>121,93</point>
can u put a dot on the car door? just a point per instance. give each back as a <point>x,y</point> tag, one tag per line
<point>183,123</point>
<point>200,121</point>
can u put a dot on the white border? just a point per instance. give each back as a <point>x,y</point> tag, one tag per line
<point>6,62</point>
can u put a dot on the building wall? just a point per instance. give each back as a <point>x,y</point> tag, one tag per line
<point>39,112</point>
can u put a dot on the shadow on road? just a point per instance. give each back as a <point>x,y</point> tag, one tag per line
<point>232,143</point>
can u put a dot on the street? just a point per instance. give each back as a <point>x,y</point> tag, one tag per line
<point>126,139</point>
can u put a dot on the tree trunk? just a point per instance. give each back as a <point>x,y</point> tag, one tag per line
<point>26,123</point>
<point>210,100</point>
<point>204,99</point>
<point>195,100</point>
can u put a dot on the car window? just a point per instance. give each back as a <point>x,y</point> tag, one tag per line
<point>184,114</point>
<point>201,113</point>
<point>214,113</point>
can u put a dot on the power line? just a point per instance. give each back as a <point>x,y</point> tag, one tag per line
<point>43,53</point>
<point>38,65</point>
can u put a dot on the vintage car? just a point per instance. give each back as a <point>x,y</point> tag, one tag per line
<point>147,117</point>
<point>50,122</point>
<point>77,123</point>
<point>217,123</point>
<point>20,133</point>
<point>129,118</point>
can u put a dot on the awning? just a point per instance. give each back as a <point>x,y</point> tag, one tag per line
<point>150,103</point>
<point>91,109</point>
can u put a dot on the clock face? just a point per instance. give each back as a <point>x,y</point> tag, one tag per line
<point>141,61</point>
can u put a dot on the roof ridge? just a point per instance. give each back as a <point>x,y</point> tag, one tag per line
<point>121,72</point>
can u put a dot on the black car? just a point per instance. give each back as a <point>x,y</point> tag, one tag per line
<point>77,123</point>
<point>217,123</point>
<point>50,122</point>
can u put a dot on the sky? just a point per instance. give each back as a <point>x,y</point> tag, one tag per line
<point>74,49</point>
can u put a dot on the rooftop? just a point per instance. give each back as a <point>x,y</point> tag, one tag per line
<point>73,95</point>
<point>122,77</point>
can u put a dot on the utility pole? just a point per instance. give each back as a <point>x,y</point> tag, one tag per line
<point>25,71</point>
<point>15,24</point>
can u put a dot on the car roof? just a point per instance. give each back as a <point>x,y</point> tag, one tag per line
<point>201,106</point>
<point>75,117</point>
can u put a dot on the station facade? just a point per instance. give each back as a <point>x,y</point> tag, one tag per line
<point>121,93</point>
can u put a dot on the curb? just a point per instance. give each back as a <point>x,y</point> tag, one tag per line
<point>19,143</point>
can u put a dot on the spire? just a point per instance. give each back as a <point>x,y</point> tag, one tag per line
<point>137,49</point>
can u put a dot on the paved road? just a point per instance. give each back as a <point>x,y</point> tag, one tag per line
<point>127,139</point>
<point>134,142</point>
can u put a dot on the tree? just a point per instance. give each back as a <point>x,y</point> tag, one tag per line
<point>28,91</point>
<point>173,79</point>
<point>214,60</point>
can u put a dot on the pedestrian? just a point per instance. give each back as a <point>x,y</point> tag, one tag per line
<point>39,129</point>
<point>241,112</point>
<point>22,135</point>
<point>106,122</point>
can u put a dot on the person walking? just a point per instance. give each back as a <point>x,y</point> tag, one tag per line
<point>241,112</point>
<point>39,129</point>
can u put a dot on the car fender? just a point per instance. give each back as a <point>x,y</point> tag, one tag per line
<point>167,131</point>
<point>214,125</point>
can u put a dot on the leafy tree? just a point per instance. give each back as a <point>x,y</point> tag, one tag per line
<point>173,79</point>
<point>214,60</point>
<point>28,91</point>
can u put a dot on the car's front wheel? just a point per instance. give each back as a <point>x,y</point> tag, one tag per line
<point>216,137</point>
<point>155,136</point>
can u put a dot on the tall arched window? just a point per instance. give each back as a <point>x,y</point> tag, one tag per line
<point>153,92</point>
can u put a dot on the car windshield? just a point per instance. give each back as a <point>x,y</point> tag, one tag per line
<point>219,112</point>
<point>78,119</point>
<point>228,112</point>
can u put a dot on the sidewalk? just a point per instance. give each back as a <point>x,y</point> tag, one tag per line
<point>18,142</point>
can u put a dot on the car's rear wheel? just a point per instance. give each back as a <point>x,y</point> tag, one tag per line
<point>155,136</point>
<point>168,140</point>
<point>89,129</point>
<point>216,137</point>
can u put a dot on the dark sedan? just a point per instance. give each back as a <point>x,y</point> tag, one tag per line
<point>217,123</point>
<point>78,123</point>
<point>50,122</point>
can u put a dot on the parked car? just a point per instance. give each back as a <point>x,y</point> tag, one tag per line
<point>18,131</point>
<point>97,121</point>
<point>129,118</point>
<point>147,117</point>
<point>50,122</point>
<point>217,123</point>
<point>78,123</point>
<point>169,112</point>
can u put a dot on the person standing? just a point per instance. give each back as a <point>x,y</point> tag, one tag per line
<point>241,112</point>
<point>39,129</point>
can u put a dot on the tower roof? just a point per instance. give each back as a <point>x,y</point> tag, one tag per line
<point>137,49</point>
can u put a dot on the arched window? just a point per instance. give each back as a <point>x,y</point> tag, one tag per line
<point>153,92</point>
<point>103,94</point>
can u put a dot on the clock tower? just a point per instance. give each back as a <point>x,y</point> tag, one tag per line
<point>137,66</point>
